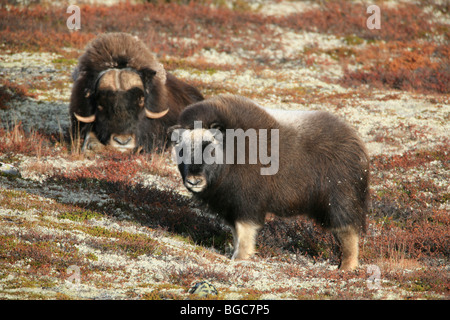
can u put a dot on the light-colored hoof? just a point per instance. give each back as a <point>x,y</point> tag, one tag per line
<point>348,266</point>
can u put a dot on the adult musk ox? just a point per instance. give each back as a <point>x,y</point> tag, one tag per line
<point>122,96</point>
<point>320,168</point>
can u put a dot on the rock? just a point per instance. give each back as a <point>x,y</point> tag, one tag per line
<point>8,169</point>
<point>203,289</point>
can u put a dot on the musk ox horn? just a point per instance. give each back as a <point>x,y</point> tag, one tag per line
<point>89,119</point>
<point>155,115</point>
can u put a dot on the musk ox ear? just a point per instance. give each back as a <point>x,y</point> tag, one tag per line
<point>171,129</point>
<point>217,130</point>
<point>147,76</point>
<point>174,133</point>
<point>217,126</point>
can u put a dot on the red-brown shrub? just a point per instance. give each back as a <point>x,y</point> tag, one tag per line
<point>410,66</point>
<point>10,90</point>
<point>404,21</point>
<point>409,214</point>
<point>18,141</point>
<point>29,28</point>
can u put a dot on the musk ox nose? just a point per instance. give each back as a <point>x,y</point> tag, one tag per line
<point>195,183</point>
<point>122,140</point>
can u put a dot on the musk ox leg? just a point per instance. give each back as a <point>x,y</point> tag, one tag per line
<point>244,234</point>
<point>91,143</point>
<point>349,242</point>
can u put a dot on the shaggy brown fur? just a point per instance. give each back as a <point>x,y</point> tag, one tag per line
<point>123,58</point>
<point>323,173</point>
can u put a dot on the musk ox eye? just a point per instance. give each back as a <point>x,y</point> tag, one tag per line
<point>141,102</point>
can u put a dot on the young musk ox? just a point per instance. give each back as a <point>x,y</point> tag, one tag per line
<point>123,98</point>
<point>321,169</point>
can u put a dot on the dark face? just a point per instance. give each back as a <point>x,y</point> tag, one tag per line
<point>199,156</point>
<point>117,115</point>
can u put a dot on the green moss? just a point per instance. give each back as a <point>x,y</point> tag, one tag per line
<point>241,6</point>
<point>419,286</point>
<point>11,194</point>
<point>133,245</point>
<point>64,61</point>
<point>162,291</point>
<point>154,295</point>
<point>92,257</point>
<point>353,40</point>
<point>300,90</point>
<point>445,198</point>
<point>99,232</point>
<point>211,71</point>
<point>339,53</point>
<point>80,216</point>
<point>62,296</point>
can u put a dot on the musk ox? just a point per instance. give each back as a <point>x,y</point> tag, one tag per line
<point>319,167</point>
<point>122,96</point>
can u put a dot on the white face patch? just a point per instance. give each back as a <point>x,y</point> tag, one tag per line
<point>189,146</point>
<point>118,80</point>
<point>198,136</point>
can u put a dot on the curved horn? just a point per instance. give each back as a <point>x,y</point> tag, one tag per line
<point>155,115</point>
<point>89,119</point>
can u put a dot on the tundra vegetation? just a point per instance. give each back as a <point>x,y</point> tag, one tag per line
<point>126,222</point>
